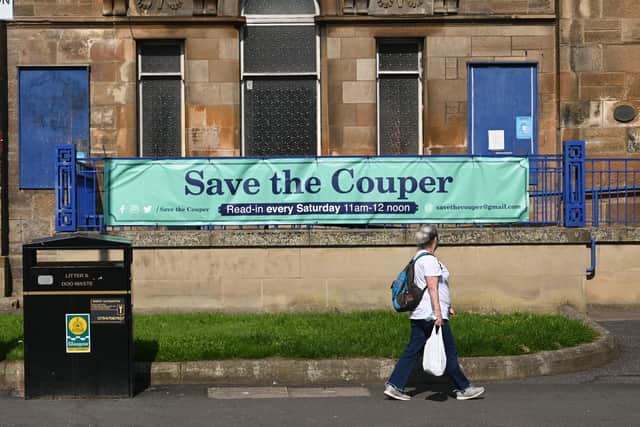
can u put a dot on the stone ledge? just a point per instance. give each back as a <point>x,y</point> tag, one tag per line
<point>346,237</point>
<point>266,372</point>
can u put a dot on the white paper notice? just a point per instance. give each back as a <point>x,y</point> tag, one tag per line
<point>496,140</point>
<point>6,10</point>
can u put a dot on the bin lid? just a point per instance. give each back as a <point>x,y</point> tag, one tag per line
<point>79,241</point>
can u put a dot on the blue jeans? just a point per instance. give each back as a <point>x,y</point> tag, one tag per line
<point>420,331</point>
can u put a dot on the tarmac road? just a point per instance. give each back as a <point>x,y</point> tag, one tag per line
<point>605,396</point>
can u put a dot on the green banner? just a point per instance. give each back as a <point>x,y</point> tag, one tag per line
<point>326,190</point>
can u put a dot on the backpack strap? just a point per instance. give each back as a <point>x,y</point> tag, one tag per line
<point>421,255</point>
<point>413,260</point>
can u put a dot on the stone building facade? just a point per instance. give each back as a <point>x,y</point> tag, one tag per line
<point>218,77</point>
<point>599,45</point>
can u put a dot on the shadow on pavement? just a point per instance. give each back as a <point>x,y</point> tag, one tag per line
<point>145,353</point>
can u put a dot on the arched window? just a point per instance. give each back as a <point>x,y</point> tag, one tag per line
<point>280,78</point>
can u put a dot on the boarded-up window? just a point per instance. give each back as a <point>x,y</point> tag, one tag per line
<point>53,109</point>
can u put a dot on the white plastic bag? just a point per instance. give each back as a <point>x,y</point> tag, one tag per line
<point>434,360</point>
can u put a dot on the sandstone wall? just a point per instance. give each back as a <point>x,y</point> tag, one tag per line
<point>598,46</point>
<point>350,80</point>
<point>212,105</point>
<point>487,279</point>
<point>41,8</point>
<point>599,71</point>
<point>617,279</point>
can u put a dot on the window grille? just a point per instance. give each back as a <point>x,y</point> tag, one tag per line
<point>280,84</point>
<point>399,97</point>
<point>161,94</point>
<point>279,7</point>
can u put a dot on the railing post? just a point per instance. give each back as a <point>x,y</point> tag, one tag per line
<point>86,194</point>
<point>65,187</point>
<point>573,155</point>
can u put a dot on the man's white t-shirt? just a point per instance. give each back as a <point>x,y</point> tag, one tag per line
<point>429,265</point>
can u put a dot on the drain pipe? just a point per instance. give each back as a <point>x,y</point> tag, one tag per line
<point>591,270</point>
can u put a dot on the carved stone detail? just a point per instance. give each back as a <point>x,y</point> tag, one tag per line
<point>205,7</point>
<point>147,5</point>
<point>120,7</point>
<point>115,7</point>
<point>400,3</point>
<point>144,4</point>
<point>446,6</point>
<point>107,7</point>
<point>402,7</point>
<point>166,7</point>
<point>355,7</point>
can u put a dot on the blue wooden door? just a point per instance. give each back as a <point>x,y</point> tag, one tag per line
<point>503,104</point>
<point>53,109</point>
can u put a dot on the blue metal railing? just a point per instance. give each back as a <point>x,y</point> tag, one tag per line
<point>64,187</point>
<point>613,191</point>
<point>573,153</point>
<point>565,190</point>
<point>545,190</point>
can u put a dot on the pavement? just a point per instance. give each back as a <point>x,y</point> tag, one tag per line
<point>603,395</point>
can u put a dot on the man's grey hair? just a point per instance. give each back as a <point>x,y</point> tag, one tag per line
<point>425,234</point>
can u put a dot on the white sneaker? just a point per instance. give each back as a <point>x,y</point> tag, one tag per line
<point>394,393</point>
<point>470,392</point>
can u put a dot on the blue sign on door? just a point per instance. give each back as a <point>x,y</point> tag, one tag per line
<point>523,127</point>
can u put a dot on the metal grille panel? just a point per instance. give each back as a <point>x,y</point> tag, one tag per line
<point>398,56</point>
<point>160,58</point>
<point>399,109</point>
<point>161,120</point>
<point>280,117</point>
<point>279,7</point>
<point>284,49</point>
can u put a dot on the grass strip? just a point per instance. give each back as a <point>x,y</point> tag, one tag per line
<point>209,336</point>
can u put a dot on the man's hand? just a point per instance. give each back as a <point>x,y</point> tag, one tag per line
<point>452,312</point>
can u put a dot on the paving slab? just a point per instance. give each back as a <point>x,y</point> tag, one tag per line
<point>285,392</point>
<point>612,313</point>
<point>247,392</point>
<point>316,392</point>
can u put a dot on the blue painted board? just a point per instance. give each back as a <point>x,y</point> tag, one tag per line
<point>53,109</point>
<point>503,102</point>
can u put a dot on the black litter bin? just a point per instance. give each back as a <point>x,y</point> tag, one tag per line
<point>78,339</point>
